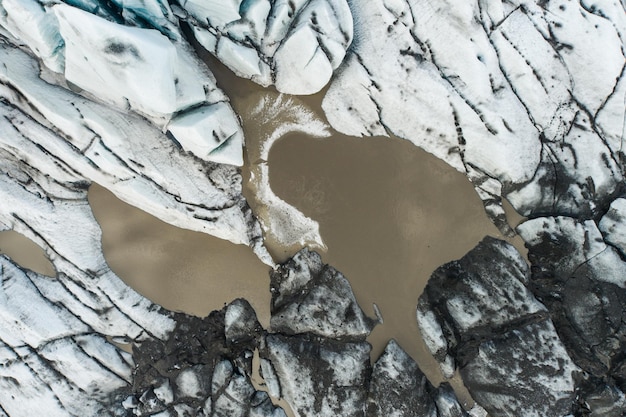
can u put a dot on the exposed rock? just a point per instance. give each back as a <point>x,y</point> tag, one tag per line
<point>293,45</point>
<point>478,313</point>
<point>310,297</point>
<point>400,389</point>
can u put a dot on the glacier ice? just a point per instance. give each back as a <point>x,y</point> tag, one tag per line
<point>527,98</point>
<point>132,67</point>
<point>513,93</point>
<point>112,148</point>
<point>294,45</point>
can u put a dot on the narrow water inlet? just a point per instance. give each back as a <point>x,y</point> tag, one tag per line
<point>25,253</point>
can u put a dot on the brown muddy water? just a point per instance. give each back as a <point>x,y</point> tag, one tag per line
<point>389,214</point>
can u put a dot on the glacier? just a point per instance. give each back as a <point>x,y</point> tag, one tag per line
<point>526,98</point>
<point>292,45</point>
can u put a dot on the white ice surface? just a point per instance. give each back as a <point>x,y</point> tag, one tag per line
<point>588,246</point>
<point>493,89</point>
<point>211,133</point>
<point>37,28</point>
<point>187,384</point>
<point>131,67</point>
<point>294,45</point>
<point>431,332</point>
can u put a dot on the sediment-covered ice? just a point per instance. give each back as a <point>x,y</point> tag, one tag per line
<point>525,97</point>
<point>203,368</point>
<point>310,297</point>
<point>581,281</point>
<point>293,45</point>
<point>399,388</point>
<point>497,334</point>
<point>320,377</point>
<point>613,225</point>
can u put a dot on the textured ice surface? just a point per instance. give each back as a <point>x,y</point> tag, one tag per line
<point>581,281</point>
<point>27,21</point>
<point>523,372</point>
<point>211,133</point>
<point>122,152</point>
<point>320,377</point>
<point>400,389</point>
<point>201,368</point>
<point>526,98</point>
<point>294,45</point>
<point>522,96</point>
<point>54,352</point>
<point>613,225</point>
<point>126,65</point>
<point>479,294</point>
<point>580,243</point>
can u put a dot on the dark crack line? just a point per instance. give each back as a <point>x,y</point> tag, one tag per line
<point>60,162</point>
<point>467,101</point>
<point>510,84</point>
<point>161,188</point>
<point>606,100</point>
<point>271,22</point>
<point>100,363</point>
<point>597,131</point>
<point>58,304</point>
<point>594,11</point>
<point>379,109</point>
<point>505,18</point>
<point>118,308</point>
